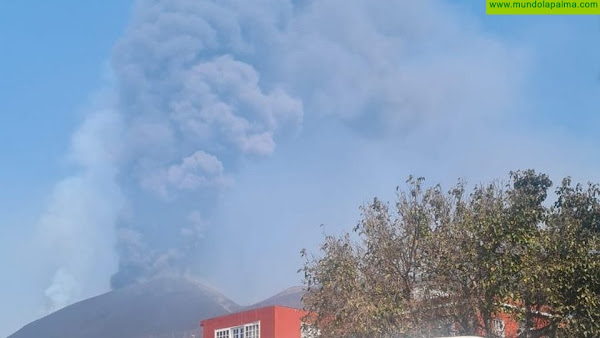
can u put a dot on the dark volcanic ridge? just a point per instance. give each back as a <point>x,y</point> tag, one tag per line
<point>159,308</point>
<point>291,297</point>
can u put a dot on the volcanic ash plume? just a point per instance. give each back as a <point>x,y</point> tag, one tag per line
<point>203,87</point>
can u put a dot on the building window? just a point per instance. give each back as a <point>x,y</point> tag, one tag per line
<point>243,331</point>
<point>252,331</point>
<point>498,328</point>
<point>238,332</point>
<point>224,333</point>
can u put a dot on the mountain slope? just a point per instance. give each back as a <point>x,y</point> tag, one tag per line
<point>162,307</point>
<point>291,297</point>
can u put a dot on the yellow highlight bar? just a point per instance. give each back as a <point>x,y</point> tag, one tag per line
<point>543,7</point>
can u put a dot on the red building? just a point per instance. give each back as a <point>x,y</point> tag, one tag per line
<point>285,322</point>
<point>266,322</point>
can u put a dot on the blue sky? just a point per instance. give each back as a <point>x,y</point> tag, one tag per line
<point>190,138</point>
<point>54,58</point>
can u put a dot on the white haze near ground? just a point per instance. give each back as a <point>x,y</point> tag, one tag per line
<point>277,116</point>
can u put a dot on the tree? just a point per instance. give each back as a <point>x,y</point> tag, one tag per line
<point>448,261</point>
<point>469,267</point>
<point>375,286</point>
<point>572,243</point>
<point>526,258</point>
<point>334,290</point>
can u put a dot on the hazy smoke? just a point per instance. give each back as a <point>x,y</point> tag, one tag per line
<point>77,231</point>
<point>205,86</point>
